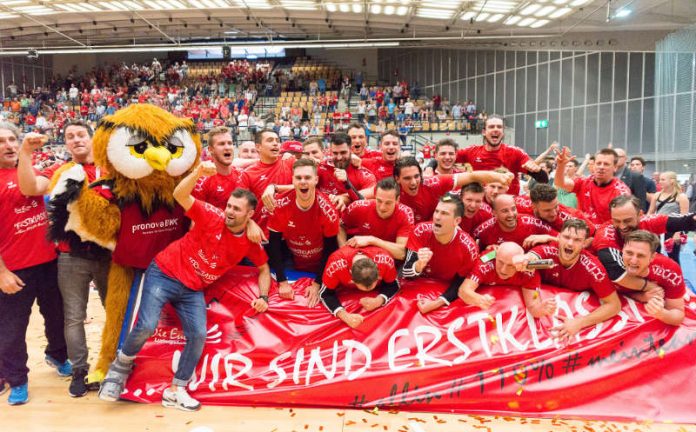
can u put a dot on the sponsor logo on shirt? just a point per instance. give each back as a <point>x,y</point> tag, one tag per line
<point>669,275</point>
<point>153,227</point>
<point>26,208</point>
<point>30,223</point>
<point>336,266</point>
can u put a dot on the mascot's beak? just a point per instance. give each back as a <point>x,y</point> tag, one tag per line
<point>157,157</point>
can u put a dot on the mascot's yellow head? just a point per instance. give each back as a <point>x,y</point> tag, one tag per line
<point>146,151</point>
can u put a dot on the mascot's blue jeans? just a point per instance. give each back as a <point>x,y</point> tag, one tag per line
<point>158,290</point>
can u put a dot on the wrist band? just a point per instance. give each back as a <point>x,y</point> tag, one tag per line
<point>264,297</point>
<point>645,284</point>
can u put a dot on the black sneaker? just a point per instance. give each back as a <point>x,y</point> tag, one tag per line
<point>78,388</point>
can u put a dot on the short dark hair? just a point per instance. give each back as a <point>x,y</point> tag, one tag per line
<point>405,162</point>
<point>574,162</point>
<point>355,125</point>
<point>577,225</point>
<point>639,159</point>
<point>364,272</point>
<point>389,183</point>
<point>445,142</point>
<point>299,163</point>
<point>609,152</point>
<point>246,194</point>
<point>543,192</point>
<point>452,198</point>
<point>622,200</point>
<point>644,237</point>
<point>493,117</point>
<point>258,136</point>
<point>340,138</point>
<point>473,188</point>
<point>392,132</point>
<point>313,140</point>
<point>78,123</point>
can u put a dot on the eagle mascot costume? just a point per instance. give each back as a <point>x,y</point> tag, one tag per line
<point>130,211</point>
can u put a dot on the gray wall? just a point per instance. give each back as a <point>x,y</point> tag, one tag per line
<point>590,98</point>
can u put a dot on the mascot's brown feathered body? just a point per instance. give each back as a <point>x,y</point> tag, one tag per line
<point>131,211</point>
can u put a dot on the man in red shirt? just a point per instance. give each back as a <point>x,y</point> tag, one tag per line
<point>422,194</point>
<point>440,250</point>
<point>595,192</point>
<point>508,226</point>
<point>445,156</point>
<point>382,221</point>
<point>339,179</point>
<point>27,272</point>
<point>308,223</point>
<point>217,188</point>
<point>496,267</point>
<point>269,175</point>
<point>358,141</point>
<point>362,269</point>
<point>574,269</point>
<point>543,203</point>
<point>494,154</point>
<point>313,148</point>
<point>79,263</point>
<point>625,219</point>
<point>642,261</point>
<point>383,165</point>
<point>474,211</point>
<point>180,273</point>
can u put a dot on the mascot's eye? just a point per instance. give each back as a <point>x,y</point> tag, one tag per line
<point>140,148</point>
<point>175,146</point>
<point>172,148</point>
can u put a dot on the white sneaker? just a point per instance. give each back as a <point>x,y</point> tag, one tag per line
<point>179,399</point>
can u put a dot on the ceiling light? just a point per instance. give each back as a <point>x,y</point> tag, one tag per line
<point>330,7</point>
<point>539,23</point>
<point>389,10</point>
<point>622,13</point>
<point>577,3</point>
<point>402,10</point>
<point>5,15</point>
<point>357,8</point>
<point>496,18</point>
<point>560,2</point>
<point>545,11</point>
<point>343,7</point>
<point>468,15</point>
<point>512,20</point>
<point>526,21</point>
<point>560,12</point>
<point>482,16</point>
<point>434,13</point>
<point>132,5</point>
<point>530,9</point>
<point>375,9</point>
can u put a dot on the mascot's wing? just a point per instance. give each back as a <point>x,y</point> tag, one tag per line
<point>77,208</point>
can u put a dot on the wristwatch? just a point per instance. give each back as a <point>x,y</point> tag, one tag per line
<point>264,297</point>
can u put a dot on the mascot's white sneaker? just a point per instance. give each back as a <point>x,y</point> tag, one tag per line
<point>179,399</point>
<point>115,380</point>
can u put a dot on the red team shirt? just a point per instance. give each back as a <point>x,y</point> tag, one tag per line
<point>337,270</point>
<point>506,156</point>
<point>217,189</point>
<point>667,274</point>
<point>23,232</point>
<point>379,167</point>
<point>524,206</point>
<point>451,259</point>
<point>258,176</point>
<point>304,230</point>
<point>484,273</point>
<point>469,224</point>
<point>608,237</point>
<point>360,218</point>
<point>424,202</point>
<point>490,233</point>
<point>594,200</point>
<point>586,274</point>
<point>208,250</point>
<point>360,178</point>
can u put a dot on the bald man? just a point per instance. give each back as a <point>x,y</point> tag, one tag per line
<point>507,225</point>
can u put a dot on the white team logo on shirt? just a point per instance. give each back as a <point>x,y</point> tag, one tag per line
<point>220,189</point>
<point>367,226</point>
<point>11,185</point>
<point>291,224</point>
<point>263,177</point>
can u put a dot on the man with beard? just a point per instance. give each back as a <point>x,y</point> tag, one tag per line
<point>217,188</point>
<point>440,250</point>
<point>596,191</point>
<point>358,142</point>
<point>179,275</point>
<point>507,226</point>
<point>496,267</point>
<point>574,269</point>
<point>79,263</point>
<point>364,269</point>
<point>308,223</point>
<point>474,212</point>
<point>494,153</point>
<point>382,166</point>
<point>339,179</point>
<point>382,221</point>
<point>422,194</point>
<point>625,218</point>
<point>643,261</point>
<point>543,203</point>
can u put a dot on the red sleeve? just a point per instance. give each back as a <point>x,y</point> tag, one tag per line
<point>405,221</point>
<point>367,179</point>
<point>577,185</point>
<point>478,274</point>
<point>520,158</point>
<point>462,156</point>
<point>245,181</point>
<point>387,266</point>
<point>445,183</point>
<point>204,215</point>
<point>605,237</point>
<point>329,218</point>
<point>49,171</point>
<point>671,278</point>
<point>199,191</point>
<point>604,287</point>
<point>331,270</point>
<point>656,223</point>
<point>415,242</point>
<point>349,217</point>
<point>541,251</point>
<point>257,255</point>
<point>532,281</point>
<point>277,221</point>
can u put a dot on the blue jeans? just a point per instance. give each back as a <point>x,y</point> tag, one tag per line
<point>158,290</point>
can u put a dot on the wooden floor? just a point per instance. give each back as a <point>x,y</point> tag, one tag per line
<point>50,409</point>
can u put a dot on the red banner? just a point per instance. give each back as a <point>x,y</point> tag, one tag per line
<point>456,359</point>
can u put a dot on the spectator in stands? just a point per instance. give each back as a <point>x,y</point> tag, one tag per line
<point>635,182</point>
<point>670,201</point>
<point>638,167</point>
<point>308,223</point>
<point>28,273</point>
<point>364,269</point>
